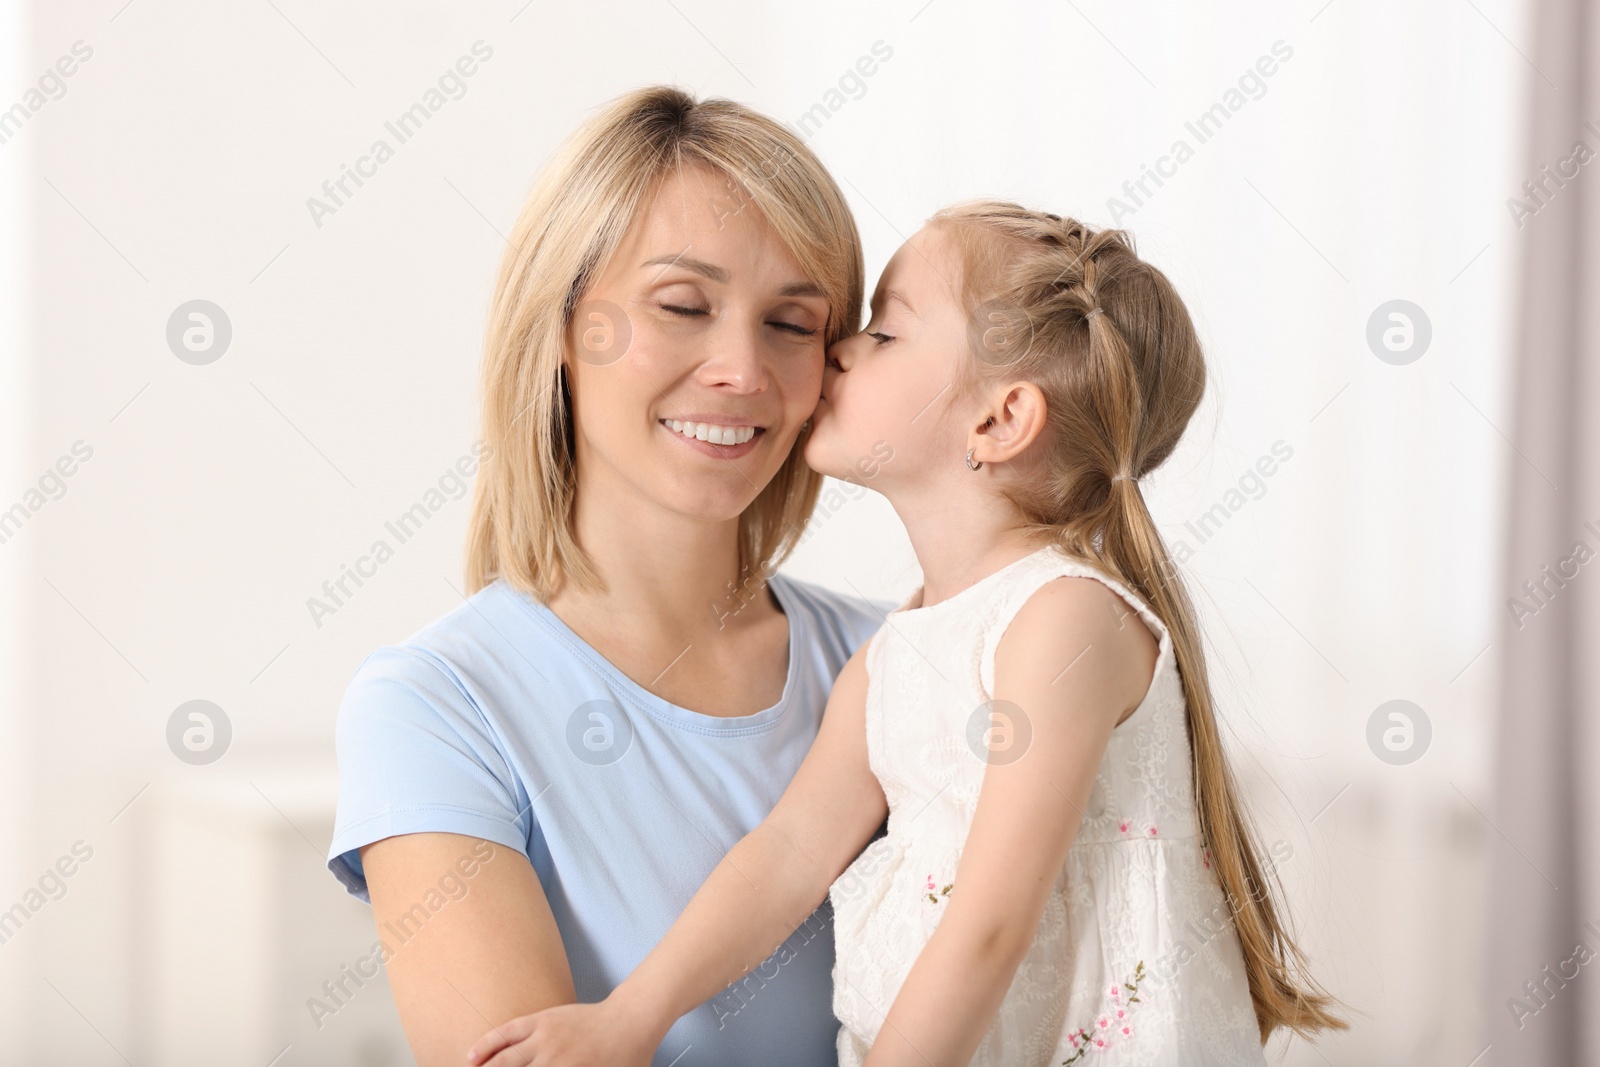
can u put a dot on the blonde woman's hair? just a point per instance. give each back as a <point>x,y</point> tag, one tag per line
<point>570,225</point>
<point>1106,338</point>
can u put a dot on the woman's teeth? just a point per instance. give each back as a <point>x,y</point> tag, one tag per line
<point>707,431</point>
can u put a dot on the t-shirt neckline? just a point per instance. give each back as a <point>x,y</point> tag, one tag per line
<point>663,709</point>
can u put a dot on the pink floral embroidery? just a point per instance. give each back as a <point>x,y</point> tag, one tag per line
<point>1112,1025</point>
<point>945,892</point>
<point>1125,828</point>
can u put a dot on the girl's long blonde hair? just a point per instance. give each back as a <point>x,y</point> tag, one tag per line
<point>570,225</point>
<point>1106,338</point>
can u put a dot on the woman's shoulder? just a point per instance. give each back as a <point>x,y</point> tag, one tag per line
<point>483,644</point>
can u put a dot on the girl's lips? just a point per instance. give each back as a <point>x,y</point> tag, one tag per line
<point>709,449</point>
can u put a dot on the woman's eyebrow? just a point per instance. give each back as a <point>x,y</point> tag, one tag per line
<point>718,274</point>
<point>802,289</point>
<point>698,266</point>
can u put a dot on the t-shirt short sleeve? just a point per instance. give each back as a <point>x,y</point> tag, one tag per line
<point>417,755</point>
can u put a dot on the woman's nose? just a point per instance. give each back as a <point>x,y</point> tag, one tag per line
<point>735,358</point>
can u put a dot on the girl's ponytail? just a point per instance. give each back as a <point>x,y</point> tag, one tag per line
<point>1280,986</point>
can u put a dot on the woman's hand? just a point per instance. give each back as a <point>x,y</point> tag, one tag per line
<point>570,1035</point>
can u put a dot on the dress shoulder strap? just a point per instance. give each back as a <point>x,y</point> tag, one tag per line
<point>1016,587</point>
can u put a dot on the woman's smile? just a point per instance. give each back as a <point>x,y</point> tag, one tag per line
<point>713,437</point>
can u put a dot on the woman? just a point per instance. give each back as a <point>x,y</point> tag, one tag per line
<point>534,785</point>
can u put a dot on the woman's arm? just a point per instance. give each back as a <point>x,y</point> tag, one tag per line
<point>489,952</point>
<point>1072,660</point>
<point>757,896</point>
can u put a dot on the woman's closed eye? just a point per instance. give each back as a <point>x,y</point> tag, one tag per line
<point>879,336</point>
<point>777,324</point>
<point>678,309</point>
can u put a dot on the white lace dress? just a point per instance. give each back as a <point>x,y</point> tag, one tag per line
<point>1135,960</point>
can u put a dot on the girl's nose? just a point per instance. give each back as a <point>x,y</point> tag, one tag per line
<point>839,354</point>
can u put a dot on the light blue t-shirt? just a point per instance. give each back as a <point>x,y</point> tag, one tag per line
<point>498,721</point>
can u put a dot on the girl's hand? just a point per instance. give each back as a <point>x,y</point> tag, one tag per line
<point>569,1035</point>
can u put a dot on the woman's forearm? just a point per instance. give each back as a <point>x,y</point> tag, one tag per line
<point>763,889</point>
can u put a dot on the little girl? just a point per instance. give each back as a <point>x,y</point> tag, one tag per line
<point>1066,871</point>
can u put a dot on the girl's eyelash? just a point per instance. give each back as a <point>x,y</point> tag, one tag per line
<point>881,338</point>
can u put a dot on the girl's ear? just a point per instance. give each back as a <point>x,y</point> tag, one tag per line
<point>1016,418</point>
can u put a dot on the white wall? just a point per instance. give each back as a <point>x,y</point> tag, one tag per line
<point>177,565</point>
<point>18,958</point>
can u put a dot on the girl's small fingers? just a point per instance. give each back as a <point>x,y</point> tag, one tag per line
<point>518,1054</point>
<point>505,1034</point>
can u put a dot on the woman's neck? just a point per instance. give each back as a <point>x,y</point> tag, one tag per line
<point>680,572</point>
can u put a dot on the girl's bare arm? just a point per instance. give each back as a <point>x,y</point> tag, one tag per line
<point>778,874</point>
<point>754,899</point>
<point>1075,660</point>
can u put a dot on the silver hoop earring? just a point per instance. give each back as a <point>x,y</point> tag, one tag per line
<point>971,466</point>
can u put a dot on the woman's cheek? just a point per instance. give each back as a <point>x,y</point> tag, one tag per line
<point>808,374</point>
